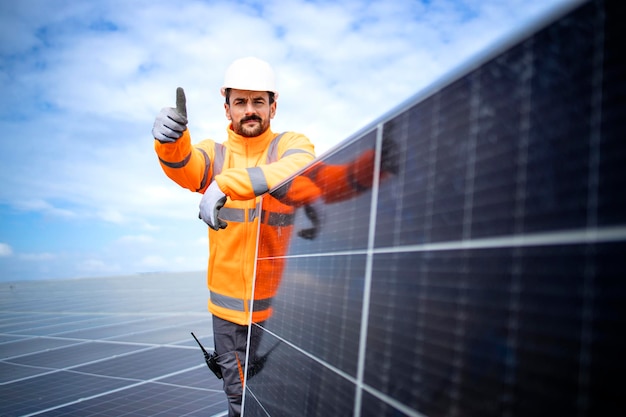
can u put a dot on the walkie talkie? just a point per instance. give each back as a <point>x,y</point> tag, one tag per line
<point>210,359</point>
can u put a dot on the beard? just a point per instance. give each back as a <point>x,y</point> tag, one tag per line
<point>251,130</point>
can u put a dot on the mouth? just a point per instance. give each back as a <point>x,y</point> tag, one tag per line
<point>251,120</point>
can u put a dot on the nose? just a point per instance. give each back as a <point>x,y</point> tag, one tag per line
<point>250,108</point>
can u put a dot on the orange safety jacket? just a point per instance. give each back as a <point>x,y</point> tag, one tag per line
<point>245,169</point>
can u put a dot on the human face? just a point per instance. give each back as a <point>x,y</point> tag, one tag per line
<point>250,112</point>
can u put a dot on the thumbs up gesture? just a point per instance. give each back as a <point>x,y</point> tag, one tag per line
<point>170,123</point>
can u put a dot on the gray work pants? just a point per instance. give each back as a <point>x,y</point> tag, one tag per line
<point>230,346</point>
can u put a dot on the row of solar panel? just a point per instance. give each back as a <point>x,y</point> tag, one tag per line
<point>107,347</point>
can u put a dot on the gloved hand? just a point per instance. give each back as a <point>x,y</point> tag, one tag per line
<point>390,156</point>
<point>315,213</point>
<point>212,201</point>
<point>170,123</point>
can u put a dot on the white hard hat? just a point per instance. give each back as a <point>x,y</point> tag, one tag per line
<point>251,74</point>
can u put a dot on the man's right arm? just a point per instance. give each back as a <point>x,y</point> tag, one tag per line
<point>189,166</point>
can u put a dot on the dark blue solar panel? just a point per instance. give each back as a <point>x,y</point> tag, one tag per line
<point>463,256</point>
<point>330,291</point>
<point>107,347</point>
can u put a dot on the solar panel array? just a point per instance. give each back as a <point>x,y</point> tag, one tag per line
<point>463,255</point>
<point>107,347</point>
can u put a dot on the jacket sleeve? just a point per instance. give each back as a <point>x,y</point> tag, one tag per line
<point>189,166</point>
<point>294,152</point>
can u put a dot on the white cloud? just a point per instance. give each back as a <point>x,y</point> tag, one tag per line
<point>136,239</point>
<point>37,257</point>
<point>111,215</point>
<point>94,266</point>
<point>44,207</point>
<point>5,250</point>
<point>153,261</point>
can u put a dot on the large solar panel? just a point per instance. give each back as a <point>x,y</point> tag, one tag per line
<point>464,255</point>
<point>107,347</point>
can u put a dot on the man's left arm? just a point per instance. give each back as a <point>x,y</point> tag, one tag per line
<point>294,152</point>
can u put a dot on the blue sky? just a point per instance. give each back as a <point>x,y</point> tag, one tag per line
<point>82,193</point>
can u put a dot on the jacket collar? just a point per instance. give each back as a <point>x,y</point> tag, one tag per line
<point>257,144</point>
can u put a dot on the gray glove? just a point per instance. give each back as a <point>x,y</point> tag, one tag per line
<point>212,201</point>
<point>170,123</point>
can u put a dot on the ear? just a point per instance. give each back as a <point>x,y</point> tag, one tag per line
<point>273,109</point>
<point>227,110</point>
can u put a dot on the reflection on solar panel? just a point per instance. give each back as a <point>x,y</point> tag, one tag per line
<point>464,255</point>
<point>107,347</point>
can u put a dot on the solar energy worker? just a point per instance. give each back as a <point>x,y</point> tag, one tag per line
<point>232,176</point>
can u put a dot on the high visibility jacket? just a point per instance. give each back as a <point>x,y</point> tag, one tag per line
<point>245,169</point>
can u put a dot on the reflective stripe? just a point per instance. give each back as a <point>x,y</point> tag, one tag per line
<point>293,151</point>
<point>207,164</point>
<point>272,153</point>
<point>232,214</point>
<point>252,213</point>
<point>277,219</point>
<point>269,218</point>
<point>261,305</point>
<point>225,301</point>
<point>218,163</point>
<point>257,178</point>
<point>237,304</point>
<point>176,164</point>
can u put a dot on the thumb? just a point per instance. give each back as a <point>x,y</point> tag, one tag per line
<point>181,102</point>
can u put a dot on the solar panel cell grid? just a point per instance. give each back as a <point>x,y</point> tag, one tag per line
<point>331,293</point>
<point>487,278</point>
<point>119,351</point>
<point>313,388</point>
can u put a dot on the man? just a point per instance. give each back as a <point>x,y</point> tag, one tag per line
<point>232,176</point>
